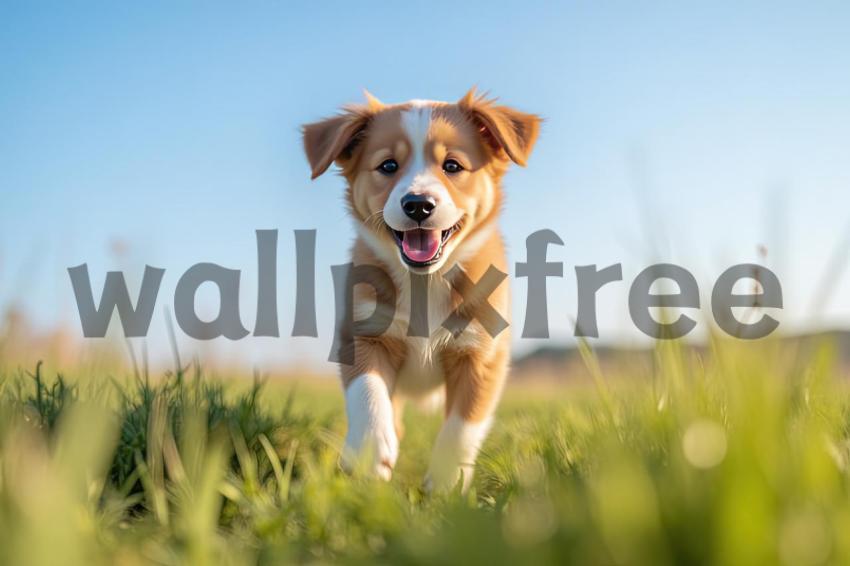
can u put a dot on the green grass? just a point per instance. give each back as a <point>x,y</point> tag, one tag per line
<point>738,455</point>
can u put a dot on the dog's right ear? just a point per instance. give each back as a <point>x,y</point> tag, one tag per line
<point>333,138</point>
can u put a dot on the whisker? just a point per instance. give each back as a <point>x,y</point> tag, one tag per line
<point>375,219</point>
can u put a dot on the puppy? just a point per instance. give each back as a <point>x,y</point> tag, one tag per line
<point>424,190</point>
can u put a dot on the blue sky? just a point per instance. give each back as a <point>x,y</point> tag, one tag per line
<point>673,133</point>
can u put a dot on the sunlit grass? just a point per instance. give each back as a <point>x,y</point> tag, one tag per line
<point>734,455</point>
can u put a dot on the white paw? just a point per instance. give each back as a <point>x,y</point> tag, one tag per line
<point>441,479</point>
<point>373,451</point>
<point>447,478</point>
<point>455,451</point>
<point>371,444</point>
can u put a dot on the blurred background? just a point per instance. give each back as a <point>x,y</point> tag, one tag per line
<point>162,135</point>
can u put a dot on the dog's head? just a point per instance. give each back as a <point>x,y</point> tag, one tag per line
<point>423,176</point>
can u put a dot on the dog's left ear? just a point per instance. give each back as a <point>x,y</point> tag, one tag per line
<point>504,128</point>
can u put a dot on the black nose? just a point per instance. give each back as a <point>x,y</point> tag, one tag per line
<point>418,207</point>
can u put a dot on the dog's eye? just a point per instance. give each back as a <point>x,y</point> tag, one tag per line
<point>388,167</point>
<point>452,166</point>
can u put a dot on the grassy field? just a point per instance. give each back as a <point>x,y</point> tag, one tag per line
<point>735,456</point>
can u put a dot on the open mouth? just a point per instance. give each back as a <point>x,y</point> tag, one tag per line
<point>421,247</point>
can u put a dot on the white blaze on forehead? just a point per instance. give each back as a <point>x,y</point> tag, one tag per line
<point>420,102</point>
<point>417,176</point>
<point>416,123</point>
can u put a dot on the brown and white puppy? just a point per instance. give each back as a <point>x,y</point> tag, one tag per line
<point>424,189</point>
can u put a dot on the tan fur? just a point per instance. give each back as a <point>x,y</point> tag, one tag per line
<point>484,137</point>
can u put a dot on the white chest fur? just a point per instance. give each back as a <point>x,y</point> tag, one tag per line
<point>421,373</point>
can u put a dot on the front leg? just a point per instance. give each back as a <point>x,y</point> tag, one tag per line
<point>371,442</point>
<point>371,439</point>
<point>473,387</point>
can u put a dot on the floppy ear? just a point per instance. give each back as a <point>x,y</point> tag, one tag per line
<point>503,127</point>
<point>333,138</point>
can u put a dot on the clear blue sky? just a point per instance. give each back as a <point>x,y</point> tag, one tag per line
<point>675,133</point>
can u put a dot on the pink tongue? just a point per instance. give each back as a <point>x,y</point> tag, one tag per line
<point>420,245</point>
